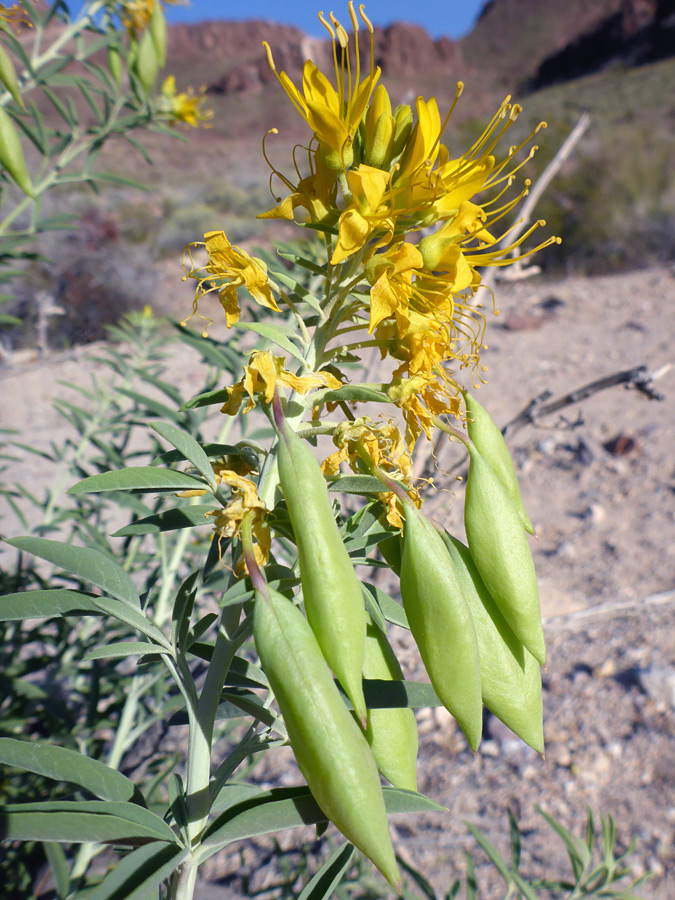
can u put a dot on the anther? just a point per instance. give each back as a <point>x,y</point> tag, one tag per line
<point>270,58</point>
<point>326,25</point>
<point>352,16</point>
<point>369,24</point>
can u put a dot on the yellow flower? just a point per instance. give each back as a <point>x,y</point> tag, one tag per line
<point>185,107</point>
<point>227,521</point>
<point>230,268</point>
<point>334,115</point>
<point>261,376</point>
<point>366,214</point>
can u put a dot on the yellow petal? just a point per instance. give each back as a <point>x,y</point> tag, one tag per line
<point>228,300</point>
<point>353,233</point>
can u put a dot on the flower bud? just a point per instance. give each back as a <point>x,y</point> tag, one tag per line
<point>510,680</point>
<point>435,247</point>
<point>402,127</point>
<point>378,129</point>
<point>329,747</point>
<point>330,588</point>
<point>11,154</point>
<point>441,623</point>
<point>115,64</point>
<point>392,732</point>
<point>158,31</point>
<point>8,77</point>
<point>490,443</point>
<point>337,161</point>
<point>499,548</point>
<point>146,63</point>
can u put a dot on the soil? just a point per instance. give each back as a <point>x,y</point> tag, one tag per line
<point>599,485</point>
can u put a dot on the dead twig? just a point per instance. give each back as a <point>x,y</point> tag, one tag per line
<point>638,377</point>
<point>579,617</point>
<point>517,271</point>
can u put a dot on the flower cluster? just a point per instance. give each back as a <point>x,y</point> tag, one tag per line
<point>407,226</point>
<point>381,178</point>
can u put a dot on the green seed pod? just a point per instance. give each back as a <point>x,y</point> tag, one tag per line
<point>501,553</point>
<point>158,30</point>
<point>330,588</point>
<point>490,443</point>
<point>146,63</point>
<point>8,77</point>
<point>391,733</point>
<point>441,623</point>
<point>11,154</point>
<point>509,675</point>
<point>329,746</point>
<point>115,64</point>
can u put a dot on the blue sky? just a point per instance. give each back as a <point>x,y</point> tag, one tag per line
<point>451,17</point>
<point>440,17</point>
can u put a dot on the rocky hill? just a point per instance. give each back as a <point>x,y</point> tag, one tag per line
<point>527,43</point>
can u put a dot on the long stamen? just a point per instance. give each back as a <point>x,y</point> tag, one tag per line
<point>355,26</point>
<point>270,60</point>
<point>369,26</point>
<point>275,171</point>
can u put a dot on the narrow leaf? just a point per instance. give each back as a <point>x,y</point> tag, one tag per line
<point>188,446</point>
<point>59,867</point>
<point>91,565</point>
<point>45,604</point>
<point>84,821</point>
<point>170,520</point>
<point>491,851</point>
<point>123,649</point>
<point>288,808</point>
<point>140,873</point>
<point>275,336</point>
<point>354,393</point>
<point>134,618</point>
<point>356,484</point>
<point>330,874</point>
<point>139,478</point>
<point>391,610</point>
<point>209,398</point>
<point>111,178</point>
<point>62,764</point>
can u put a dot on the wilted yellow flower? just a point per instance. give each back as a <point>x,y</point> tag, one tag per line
<point>13,17</point>
<point>136,14</point>
<point>333,114</point>
<point>261,376</point>
<point>381,445</point>
<point>420,398</point>
<point>227,521</point>
<point>185,107</point>
<point>228,268</point>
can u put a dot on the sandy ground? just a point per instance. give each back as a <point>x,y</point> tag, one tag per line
<point>601,492</point>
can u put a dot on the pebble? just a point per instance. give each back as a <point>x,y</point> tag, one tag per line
<point>659,683</point>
